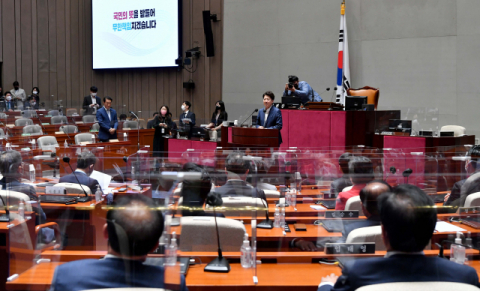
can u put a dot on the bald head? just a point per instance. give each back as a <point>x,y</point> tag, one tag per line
<point>370,193</point>
<point>134,226</point>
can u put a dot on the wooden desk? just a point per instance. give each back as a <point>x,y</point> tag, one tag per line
<point>270,277</point>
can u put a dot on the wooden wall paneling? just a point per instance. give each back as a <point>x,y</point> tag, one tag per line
<point>159,89</point>
<point>1,44</point>
<point>118,90</point>
<point>81,41</point>
<point>34,46</point>
<point>131,91</point>
<point>68,54</point>
<point>87,48</point>
<point>172,90</point>
<point>8,43</point>
<point>52,45</point>
<point>198,37</point>
<point>143,98</point>
<point>61,51</point>
<point>187,44</point>
<point>206,74</point>
<point>110,77</point>
<point>43,52</point>
<point>18,43</point>
<point>75,52</point>
<point>137,93</point>
<point>26,48</point>
<point>216,63</point>
<point>124,92</point>
<point>151,100</point>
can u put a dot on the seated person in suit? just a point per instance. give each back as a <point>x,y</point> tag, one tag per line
<point>368,196</point>
<point>187,125</point>
<point>151,123</point>
<point>31,103</point>
<point>195,193</point>
<point>123,117</point>
<point>133,229</point>
<point>107,119</point>
<point>339,184</point>
<point>12,170</point>
<point>9,103</point>
<point>91,102</point>
<point>237,171</point>
<point>408,219</point>
<point>85,164</point>
<point>361,172</point>
<point>472,167</point>
<point>270,117</point>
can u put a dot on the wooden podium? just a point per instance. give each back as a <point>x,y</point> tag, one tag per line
<point>251,137</point>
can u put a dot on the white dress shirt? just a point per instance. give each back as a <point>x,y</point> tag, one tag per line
<point>108,113</point>
<point>267,112</point>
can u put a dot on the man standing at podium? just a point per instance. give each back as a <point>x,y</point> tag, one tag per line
<point>270,117</point>
<point>301,89</point>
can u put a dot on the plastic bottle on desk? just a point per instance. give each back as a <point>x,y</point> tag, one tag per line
<point>276,221</point>
<point>282,217</point>
<point>293,198</point>
<point>98,194</point>
<point>298,182</point>
<point>65,144</point>
<point>21,210</point>
<point>457,251</point>
<point>34,144</point>
<point>246,253</point>
<point>171,252</point>
<point>32,173</point>
<point>93,138</point>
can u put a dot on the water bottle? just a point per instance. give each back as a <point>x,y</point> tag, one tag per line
<point>282,218</point>
<point>93,138</point>
<point>21,210</point>
<point>171,252</point>
<point>293,198</point>
<point>246,253</point>
<point>125,136</point>
<point>34,144</point>
<point>276,221</point>
<point>32,173</point>
<point>98,194</point>
<point>65,144</point>
<point>298,180</point>
<point>287,198</point>
<point>457,251</point>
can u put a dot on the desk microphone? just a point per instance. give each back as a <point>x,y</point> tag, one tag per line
<point>138,130</point>
<point>327,89</point>
<point>256,110</point>
<point>86,198</point>
<point>333,93</point>
<point>407,173</point>
<point>267,223</point>
<point>219,264</point>
<point>393,170</point>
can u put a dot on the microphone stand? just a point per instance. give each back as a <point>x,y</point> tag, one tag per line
<point>266,224</point>
<point>86,198</point>
<point>219,264</point>
<point>256,110</point>
<point>138,130</point>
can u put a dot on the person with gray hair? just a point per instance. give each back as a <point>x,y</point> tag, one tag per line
<point>361,172</point>
<point>85,164</point>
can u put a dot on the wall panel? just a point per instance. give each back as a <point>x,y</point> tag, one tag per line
<point>48,43</point>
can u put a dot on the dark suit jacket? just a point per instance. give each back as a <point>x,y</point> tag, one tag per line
<point>340,183</point>
<point>348,227</point>
<point>87,101</point>
<point>83,178</point>
<point>10,105</point>
<point>109,273</point>
<point>190,126</point>
<point>401,268</point>
<point>105,123</point>
<point>455,193</point>
<point>471,185</point>
<point>150,124</point>
<point>237,188</point>
<point>274,120</point>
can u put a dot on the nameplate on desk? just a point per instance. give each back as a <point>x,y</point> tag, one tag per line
<point>387,133</point>
<point>469,210</point>
<point>47,115</point>
<point>26,149</point>
<point>85,142</point>
<point>46,123</point>
<point>353,248</point>
<point>78,122</point>
<point>93,130</point>
<point>126,128</point>
<point>58,132</point>
<point>342,214</point>
<point>114,140</point>
<point>55,190</point>
<point>10,125</point>
<point>26,134</point>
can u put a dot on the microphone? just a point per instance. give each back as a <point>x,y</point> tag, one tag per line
<point>267,223</point>
<point>333,93</point>
<point>138,130</point>
<point>86,198</point>
<point>327,89</point>
<point>7,212</point>
<point>219,264</point>
<point>256,110</point>
<point>393,170</point>
<point>407,173</point>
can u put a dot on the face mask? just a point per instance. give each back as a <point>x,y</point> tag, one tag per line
<point>33,103</point>
<point>9,98</point>
<point>16,88</point>
<point>94,94</point>
<point>219,107</point>
<point>183,107</point>
<point>163,112</point>
<point>35,92</point>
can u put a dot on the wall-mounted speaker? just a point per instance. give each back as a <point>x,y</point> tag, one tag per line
<point>207,28</point>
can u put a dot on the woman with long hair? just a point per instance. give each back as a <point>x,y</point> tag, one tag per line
<point>219,116</point>
<point>163,124</point>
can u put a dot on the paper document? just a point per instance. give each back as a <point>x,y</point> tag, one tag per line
<point>186,119</point>
<point>318,207</point>
<point>443,226</point>
<point>103,179</point>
